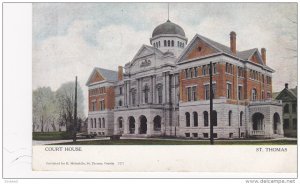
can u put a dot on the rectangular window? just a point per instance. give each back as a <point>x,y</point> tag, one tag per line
<point>120,90</point>
<point>214,68</point>
<point>286,124</point>
<point>204,70</point>
<point>189,93</point>
<point>294,108</point>
<point>240,92</point>
<point>262,95</point>
<point>102,107</point>
<point>93,106</point>
<point>186,73</point>
<point>195,135</point>
<point>191,71</point>
<point>206,91</point>
<point>228,90</point>
<point>205,135</point>
<point>195,71</point>
<point>194,93</point>
<point>187,134</point>
<point>295,123</point>
<point>268,95</point>
<point>215,135</point>
<point>231,135</point>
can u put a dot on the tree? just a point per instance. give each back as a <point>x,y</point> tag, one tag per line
<point>44,108</point>
<point>65,96</point>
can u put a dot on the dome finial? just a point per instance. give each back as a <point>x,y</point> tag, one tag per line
<point>168,12</point>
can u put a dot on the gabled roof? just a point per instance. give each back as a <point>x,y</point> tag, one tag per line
<point>151,49</point>
<point>292,93</point>
<point>108,75</point>
<point>243,55</point>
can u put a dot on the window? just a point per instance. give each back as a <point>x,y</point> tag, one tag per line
<point>99,122</point>
<point>169,43</point>
<point>262,95</point>
<point>286,108</point>
<point>194,93</point>
<point>240,92</point>
<point>294,108</point>
<point>120,90</point>
<point>228,88</point>
<point>165,43</point>
<point>103,123</point>
<point>254,94</point>
<point>92,123</point>
<point>214,68</point>
<point>205,135</point>
<point>286,123</point>
<point>215,135</point>
<point>295,123</point>
<point>133,97</point>
<point>191,72</point>
<point>214,118</point>
<point>199,49</point>
<point>195,72</point>
<point>241,118</point>
<point>159,91</point>
<point>207,91</point>
<point>158,43</point>
<point>182,44</point>
<point>95,123</point>
<point>230,135</point>
<point>204,70</point>
<point>102,105</point>
<point>240,72</point>
<point>263,78</point>
<point>269,80</point>
<point>229,68</point>
<point>205,116</point>
<point>146,91</point>
<point>187,119</point>
<point>229,118</point>
<point>268,95</point>
<point>120,103</point>
<point>187,134</point>
<point>172,43</point>
<point>195,135</point>
<point>177,43</point>
<point>242,134</point>
<point>186,73</point>
<point>195,115</point>
<point>189,94</point>
<point>93,106</point>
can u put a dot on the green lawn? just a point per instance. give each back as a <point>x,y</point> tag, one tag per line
<point>181,142</point>
<point>50,135</point>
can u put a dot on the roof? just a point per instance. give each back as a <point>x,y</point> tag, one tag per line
<point>168,28</point>
<point>291,92</point>
<point>109,75</point>
<point>243,55</point>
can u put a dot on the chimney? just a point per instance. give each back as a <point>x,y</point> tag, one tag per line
<point>120,73</point>
<point>263,55</point>
<point>233,42</point>
<point>286,85</point>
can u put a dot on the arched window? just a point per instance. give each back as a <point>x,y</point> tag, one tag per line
<point>95,123</point>
<point>146,91</point>
<point>158,43</point>
<point>177,43</point>
<point>205,116</point>
<point>229,118</point>
<point>165,43</point>
<point>241,118</point>
<point>103,123</point>
<point>120,120</point>
<point>120,103</point>
<point>172,43</point>
<point>187,119</point>
<point>92,125</point>
<point>169,43</point>
<point>254,94</point>
<point>214,118</point>
<point>195,115</point>
<point>99,122</point>
<point>133,94</point>
<point>157,123</point>
<point>286,108</point>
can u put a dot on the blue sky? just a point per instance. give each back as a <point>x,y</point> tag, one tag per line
<point>71,38</point>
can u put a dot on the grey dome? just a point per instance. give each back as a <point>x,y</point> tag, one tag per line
<point>168,28</point>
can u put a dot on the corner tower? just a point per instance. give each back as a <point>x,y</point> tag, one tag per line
<point>169,37</point>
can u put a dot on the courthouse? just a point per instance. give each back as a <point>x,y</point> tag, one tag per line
<point>164,90</point>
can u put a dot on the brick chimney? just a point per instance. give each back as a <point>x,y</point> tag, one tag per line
<point>286,85</point>
<point>233,42</point>
<point>263,55</point>
<point>120,73</point>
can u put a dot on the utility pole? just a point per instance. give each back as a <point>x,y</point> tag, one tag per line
<point>211,96</point>
<point>75,113</point>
